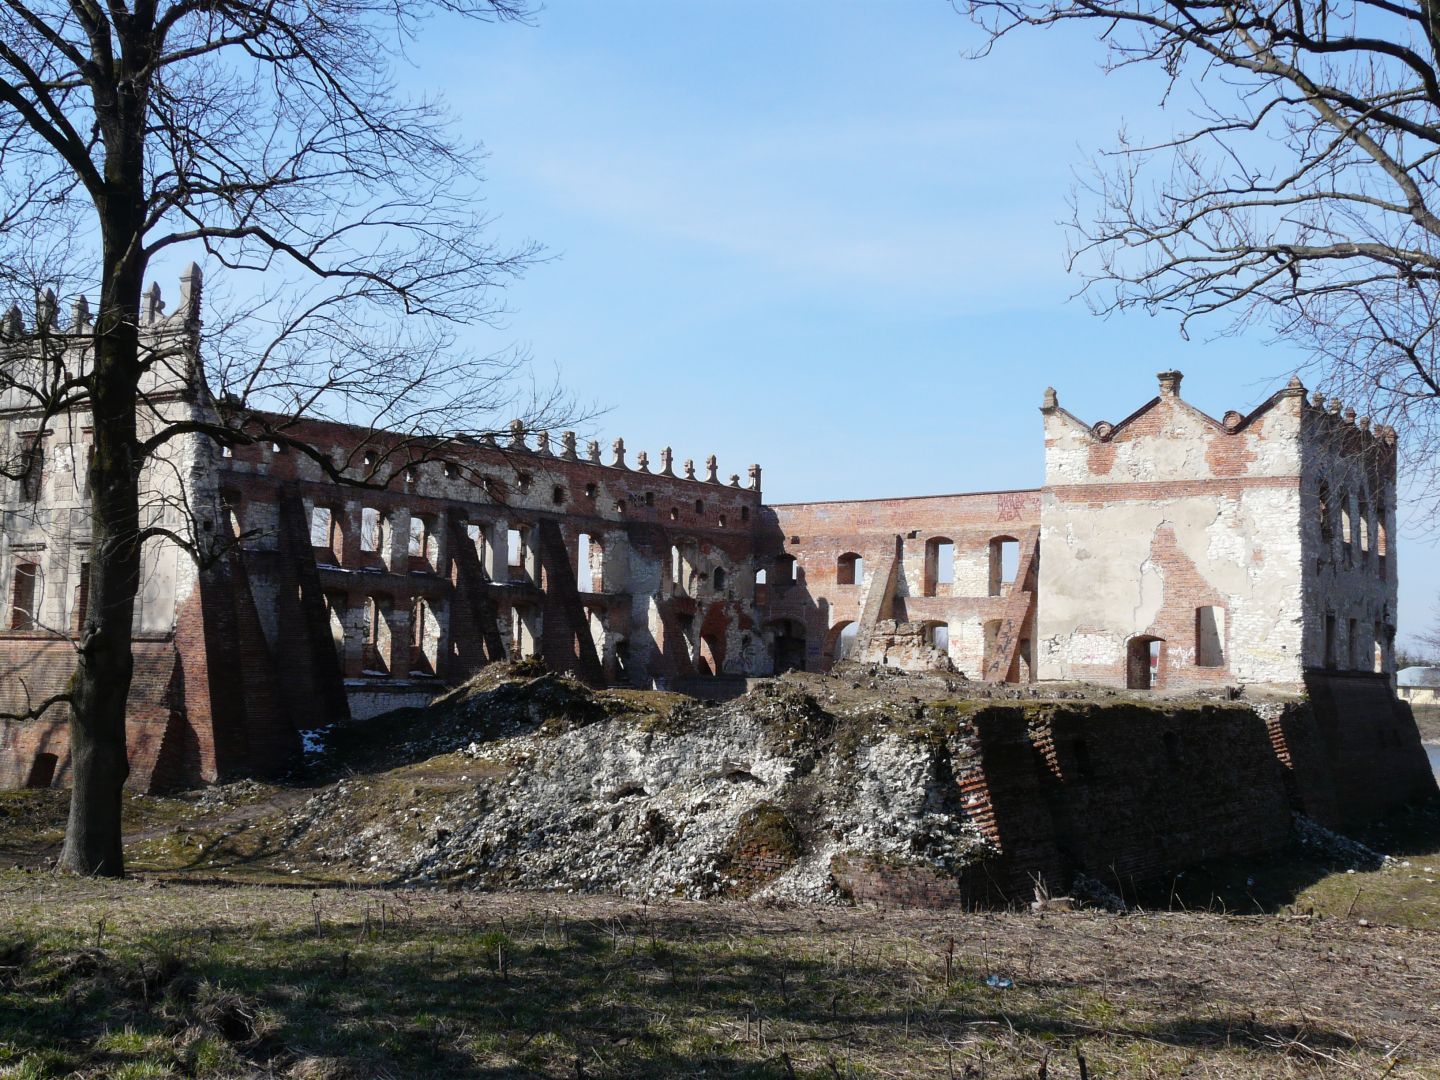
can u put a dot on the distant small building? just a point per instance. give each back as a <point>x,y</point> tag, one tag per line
<point>1418,685</point>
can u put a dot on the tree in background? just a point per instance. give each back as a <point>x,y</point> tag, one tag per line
<point>1302,194</point>
<point>270,136</point>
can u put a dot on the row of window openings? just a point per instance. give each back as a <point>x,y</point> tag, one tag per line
<point>375,655</point>
<point>324,534</point>
<point>1355,658</point>
<point>1004,555</point>
<point>1364,527</point>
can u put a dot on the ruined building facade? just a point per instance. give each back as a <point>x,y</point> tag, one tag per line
<point>1167,551</point>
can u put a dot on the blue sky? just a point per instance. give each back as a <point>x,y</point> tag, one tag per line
<point>818,237</point>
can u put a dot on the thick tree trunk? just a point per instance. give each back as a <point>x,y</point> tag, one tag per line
<point>101,683</point>
<point>100,686</point>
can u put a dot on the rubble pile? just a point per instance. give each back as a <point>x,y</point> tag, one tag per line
<point>561,788</point>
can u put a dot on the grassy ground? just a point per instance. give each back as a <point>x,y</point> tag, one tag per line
<point>1427,719</point>
<point>140,980</point>
<point>239,950</point>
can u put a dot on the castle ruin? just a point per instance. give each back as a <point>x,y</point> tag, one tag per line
<point>1169,551</point>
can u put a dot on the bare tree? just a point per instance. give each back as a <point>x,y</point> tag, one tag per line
<point>1429,640</point>
<point>270,136</point>
<point>1300,194</point>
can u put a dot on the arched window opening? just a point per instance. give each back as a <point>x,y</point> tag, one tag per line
<point>82,597</point>
<point>937,636</point>
<point>785,570</point>
<point>1327,521</point>
<point>939,566</point>
<point>1209,637</point>
<point>424,638</point>
<point>589,564</point>
<point>849,569</point>
<point>424,546</point>
<point>1382,539</point>
<point>1330,648</point>
<point>699,507</point>
<point>476,535</point>
<point>42,771</point>
<point>844,647</point>
<point>320,522</point>
<point>514,549</point>
<point>1377,648</point>
<point>788,645</point>
<point>1352,644</point>
<point>374,531</point>
<point>1144,662</point>
<point>337,606</point>
<point>375,656</point>
<point>27,593</point>
<point>744,513</point>
<point>1004,563</point>
<point>718,579</point>
<point>32,479</point>
<point>1347,533</point>
<point>1363,517</point>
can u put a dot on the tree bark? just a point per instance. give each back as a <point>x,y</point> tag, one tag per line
<point>100,687</point>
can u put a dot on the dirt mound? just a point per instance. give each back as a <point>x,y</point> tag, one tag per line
<point>649,794</point>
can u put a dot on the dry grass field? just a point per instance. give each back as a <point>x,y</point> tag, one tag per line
<point>145,979</point>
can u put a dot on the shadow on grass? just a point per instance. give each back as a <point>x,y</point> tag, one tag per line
<point>1273,883</point>
<point>671,995</point>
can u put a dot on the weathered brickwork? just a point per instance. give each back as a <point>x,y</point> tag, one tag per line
<point>1180,551</point>
<point>1168,551</point>
<point>964,563</point>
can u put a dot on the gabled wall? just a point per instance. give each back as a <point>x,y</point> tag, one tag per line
<point>1169,511</point>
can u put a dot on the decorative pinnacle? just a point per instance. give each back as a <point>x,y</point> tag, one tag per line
<point>1169,383</point>
<point>543,444</point>
<point>712,476</point>
<point>1334,406</point>
<point>1317,399</point>
<point>667,460</point>
<point>567,446</point>
<point>592,451</point>
<point>14,322</point>
<point>734,479</point>
<point>1050,401</point>
<point>618,449</point>
<point>80,315</point>
<point>689,468</point>
<point>45,307</point>
<point>154,305</point>
<point>642,461</point>
<point>191,286</point>
<point>1295,383</point>
<point>517,435</point>
<point>754,471</point>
